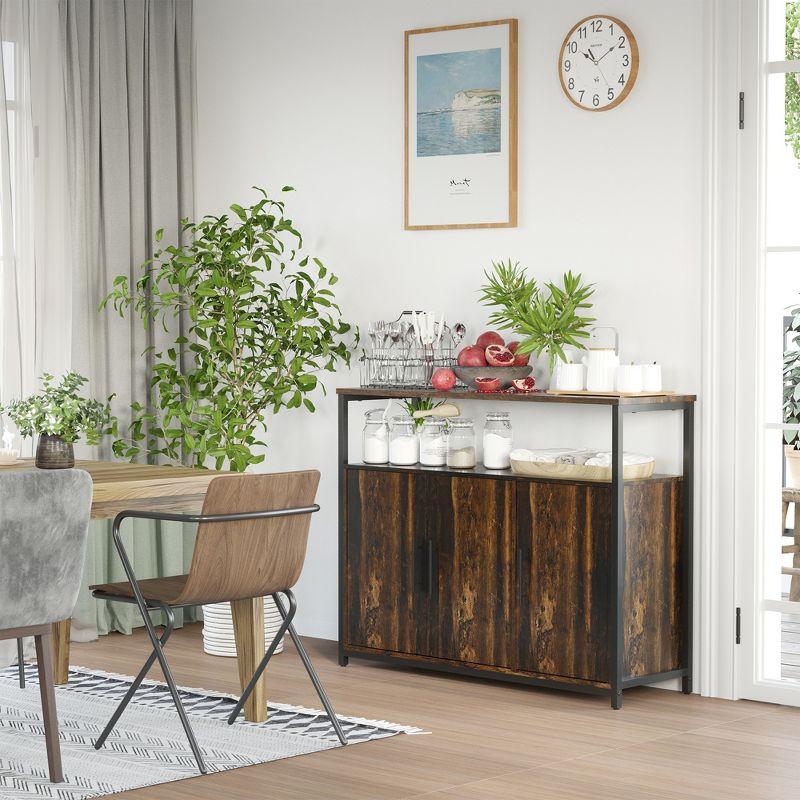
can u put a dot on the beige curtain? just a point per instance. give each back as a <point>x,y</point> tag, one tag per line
<point>129,84</point>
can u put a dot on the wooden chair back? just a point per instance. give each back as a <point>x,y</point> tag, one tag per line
<point>251,558</point>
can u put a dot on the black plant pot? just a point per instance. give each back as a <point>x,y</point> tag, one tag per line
<point>53,452</point>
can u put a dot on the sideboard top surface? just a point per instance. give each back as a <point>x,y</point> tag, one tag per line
<point>377,393</point>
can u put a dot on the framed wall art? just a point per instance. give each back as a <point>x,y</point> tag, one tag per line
<point>461,126</point>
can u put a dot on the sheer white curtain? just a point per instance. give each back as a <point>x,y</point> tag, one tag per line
<point>35,275</point>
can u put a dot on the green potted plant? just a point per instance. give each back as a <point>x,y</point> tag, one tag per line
<point>260,321</point>
<point>547,318</point>
<point>58,415</point>
<point>791,397</point>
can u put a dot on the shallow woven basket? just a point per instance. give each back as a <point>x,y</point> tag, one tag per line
<point>580,472</point>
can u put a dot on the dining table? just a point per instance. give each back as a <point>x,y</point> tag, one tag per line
<point>122,486</point>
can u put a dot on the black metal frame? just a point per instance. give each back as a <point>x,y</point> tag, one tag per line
<point>145,606</point>
<point>617,681</point>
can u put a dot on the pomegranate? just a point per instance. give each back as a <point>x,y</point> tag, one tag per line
<point>520,360</point>
<point>472,356</point>
<point>499,356</point>
<point>489,337</point>
<point>524,385</point>
<point>487,384</point>
<point>443,380</point>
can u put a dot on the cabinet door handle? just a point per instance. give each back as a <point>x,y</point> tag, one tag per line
<point>430,568</point>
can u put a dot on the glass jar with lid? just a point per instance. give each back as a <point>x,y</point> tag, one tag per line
<point>461,443</point>
<point>403,441</point>
<point>375,438</point>
<point>433,443</point>
<point>497,440</point>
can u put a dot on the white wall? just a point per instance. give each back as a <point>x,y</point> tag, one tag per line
<point>310,93</point>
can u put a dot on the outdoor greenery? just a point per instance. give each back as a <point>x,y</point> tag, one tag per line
<point>58,410</point>
<point>261,322</point>
<point>791,378</point>
<point>546,318</point>
<point>792,97</point>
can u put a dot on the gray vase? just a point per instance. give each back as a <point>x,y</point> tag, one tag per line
<point>53,452</point>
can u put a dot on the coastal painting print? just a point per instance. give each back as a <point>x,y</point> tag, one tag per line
<point>461,126</point>
<point>458,103</point>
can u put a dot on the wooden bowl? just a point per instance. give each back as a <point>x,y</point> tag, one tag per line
<point>580,472</point>
<point>506,374</point>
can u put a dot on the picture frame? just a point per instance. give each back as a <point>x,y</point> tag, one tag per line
<point>461,119</point>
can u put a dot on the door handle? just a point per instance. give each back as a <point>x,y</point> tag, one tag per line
<point>429,571</point>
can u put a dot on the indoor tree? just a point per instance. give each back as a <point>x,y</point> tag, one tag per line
<point>792,93</point>
<point>261,323</point>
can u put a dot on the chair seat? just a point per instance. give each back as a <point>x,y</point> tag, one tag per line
<point>162,590</point>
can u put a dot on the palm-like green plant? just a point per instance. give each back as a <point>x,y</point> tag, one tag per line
<point>791,378</point>
<point>549,318</point>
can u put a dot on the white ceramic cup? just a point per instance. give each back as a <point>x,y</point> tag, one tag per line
<point>569,377</point>
<point>629,378</point>
<point>651,378</point>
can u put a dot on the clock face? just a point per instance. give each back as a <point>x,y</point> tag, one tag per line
<point>598,63</point>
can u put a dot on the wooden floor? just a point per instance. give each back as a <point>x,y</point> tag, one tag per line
<point>488,740</point>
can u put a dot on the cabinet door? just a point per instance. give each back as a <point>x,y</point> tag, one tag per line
<point>472,616</point>
<point>563,532</point>
<point>385,609</point>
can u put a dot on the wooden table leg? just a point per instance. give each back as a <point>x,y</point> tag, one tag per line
<point>248,630</point>
<point>61,650</point>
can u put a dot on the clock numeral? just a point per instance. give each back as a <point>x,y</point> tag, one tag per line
<point>597,25</point>
<point>572,47</point>
<point>621,44</point>
<point>571,83</point>
<point>610,93</point>
<point>582,92</point>
<point>583,32</point>
<point>567,66</point>
<point>625,60</point>
<point>621,80</point>
<point>611,26</point>
<point>596,101</point>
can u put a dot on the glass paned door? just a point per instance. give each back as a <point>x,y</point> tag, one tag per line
<point>769,522</point>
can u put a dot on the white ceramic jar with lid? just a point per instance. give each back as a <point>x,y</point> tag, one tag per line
<point>433,443</point>
<point>461,443</point>
<point>497,440</point>
<point>375,438</point>
<point>403,441</point>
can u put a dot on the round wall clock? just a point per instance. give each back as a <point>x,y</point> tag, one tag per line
<point>598,63</point>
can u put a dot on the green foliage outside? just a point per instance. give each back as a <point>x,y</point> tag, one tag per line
<point>792,98</point>
<point>261,322</point>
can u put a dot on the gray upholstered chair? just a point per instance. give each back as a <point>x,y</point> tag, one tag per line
<point>44,522</point>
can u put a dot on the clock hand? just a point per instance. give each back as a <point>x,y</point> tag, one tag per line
<point>586,55</point>
<point>591,54</point>
<point>601,74</point>
<point>603,56</point>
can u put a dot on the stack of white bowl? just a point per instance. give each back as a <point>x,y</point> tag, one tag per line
<point>218,639</point>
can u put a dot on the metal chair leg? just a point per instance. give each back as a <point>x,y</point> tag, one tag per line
<point>301,651</point>
<point>137,681</point>
<point>20,664</point>
<point>151,632</point>
<point>264,661</point>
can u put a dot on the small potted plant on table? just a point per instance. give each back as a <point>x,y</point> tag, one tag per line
<point>59,416</point>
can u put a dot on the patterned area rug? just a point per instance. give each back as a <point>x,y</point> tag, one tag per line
<point>148,746</point>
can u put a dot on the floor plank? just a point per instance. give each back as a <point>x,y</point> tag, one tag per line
<point>488,739</point>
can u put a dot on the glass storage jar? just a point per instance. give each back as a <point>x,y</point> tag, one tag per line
<point>461,443</point>
<point>375,438</point>
<point>433,443</point>
<point>403,441</point>
<point>497,440</point>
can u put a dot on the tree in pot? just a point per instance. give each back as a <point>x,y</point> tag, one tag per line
<point>260,321</point>
<point>59,416</point>
<point>791,397</point>
<point>548,319</point>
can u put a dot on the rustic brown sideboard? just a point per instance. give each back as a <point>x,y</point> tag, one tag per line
<point>569,584</point>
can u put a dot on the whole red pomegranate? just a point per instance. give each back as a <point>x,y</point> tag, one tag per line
<point>472,356</point>
<point>443,380</point>
<point>489,337</point>
<point>520,360</point>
